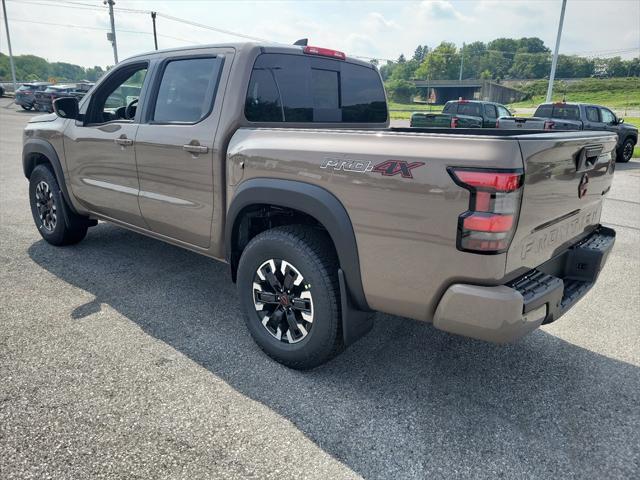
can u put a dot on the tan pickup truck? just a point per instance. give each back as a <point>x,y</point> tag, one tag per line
<point>280,161</point>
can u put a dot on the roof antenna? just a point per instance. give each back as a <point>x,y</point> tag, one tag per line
<point>302,42</point>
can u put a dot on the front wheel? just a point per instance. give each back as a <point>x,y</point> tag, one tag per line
<point>26,107</point>
<point>626,151</point>
<point>56,223</point>
<point>289,291</point>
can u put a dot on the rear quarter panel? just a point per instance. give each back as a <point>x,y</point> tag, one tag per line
<point>405,228</point>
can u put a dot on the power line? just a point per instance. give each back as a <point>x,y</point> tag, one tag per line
<point>102,29</point>
<point>89,6</point>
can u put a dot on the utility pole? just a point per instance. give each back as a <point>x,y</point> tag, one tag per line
<point>554,62</point>
<point>13,67</point>
<point>112,36</point>
<point>461,60</point>
<point>155,37</point>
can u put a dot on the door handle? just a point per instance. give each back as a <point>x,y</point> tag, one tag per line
<point>195,148</point>
<point>124,141</point>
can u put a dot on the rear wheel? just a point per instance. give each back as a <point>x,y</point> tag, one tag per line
<point>626,151</point>
<point>289,291</point>
<point>56,223</point>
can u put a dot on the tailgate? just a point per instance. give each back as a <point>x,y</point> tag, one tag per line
<point>566,178</point>
<point>419,119</point>
<point>528,123</point>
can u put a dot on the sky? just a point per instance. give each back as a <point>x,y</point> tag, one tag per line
<point>368,28</point>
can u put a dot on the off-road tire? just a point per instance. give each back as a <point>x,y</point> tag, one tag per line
<point>626,151</point>
<point>69,228</point>
<point>311,252</point>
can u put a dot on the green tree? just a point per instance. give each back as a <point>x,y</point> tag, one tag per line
<point>401,91</point>
<point>441,63</point>
<point>530,65</point>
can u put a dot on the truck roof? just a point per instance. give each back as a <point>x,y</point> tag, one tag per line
<point>264,47</point>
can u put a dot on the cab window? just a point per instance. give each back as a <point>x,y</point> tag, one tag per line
<point>490,111</point>
<point>187,90</point>
<point>117,98</point>
<point>592,114</point>
<point>607,116</point>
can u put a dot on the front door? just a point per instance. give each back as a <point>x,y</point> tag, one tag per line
<point>99,149</point>
<point>175,148</point>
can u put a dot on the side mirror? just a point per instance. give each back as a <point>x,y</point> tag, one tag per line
<point>66,107</point>
<point>620,120</point>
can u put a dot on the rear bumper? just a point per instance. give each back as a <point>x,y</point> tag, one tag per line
<point>507,312</point>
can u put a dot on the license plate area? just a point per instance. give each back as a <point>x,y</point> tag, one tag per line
<point>562,281</point>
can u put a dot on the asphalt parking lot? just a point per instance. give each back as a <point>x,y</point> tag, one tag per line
<point>124,357</point>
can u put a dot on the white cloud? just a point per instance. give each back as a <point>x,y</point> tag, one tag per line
<point>440,10</point>
<point>360,28</point>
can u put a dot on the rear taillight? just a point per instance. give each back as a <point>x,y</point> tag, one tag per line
<point>489,223</point>
<point>324,52</point>
<point>454,122</point>
<point>498,123</point>
<point>549,125</point>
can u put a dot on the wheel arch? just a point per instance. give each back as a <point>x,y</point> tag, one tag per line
<point>312,201</point>
<point>37,152</point>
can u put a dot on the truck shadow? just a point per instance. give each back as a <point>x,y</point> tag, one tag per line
<point>407,401</point>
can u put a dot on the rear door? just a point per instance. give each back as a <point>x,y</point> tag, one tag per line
<point>175,146</point>
<point>566,177</point>
<point>490,116</point>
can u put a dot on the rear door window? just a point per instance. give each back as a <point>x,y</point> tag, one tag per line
<point>187,90</point>
<point>297,88</point>
<point>490,111</point>
<point>592,114</point>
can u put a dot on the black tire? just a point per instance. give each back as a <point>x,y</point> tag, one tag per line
<point>26,107</point>
<point>310,252</point>
<point>56,223</point>
<point>626,151</point>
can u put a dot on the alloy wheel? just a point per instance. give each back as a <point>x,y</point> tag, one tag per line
<point>628,151</point>
<point>283,301</point>
<point>46,206</point>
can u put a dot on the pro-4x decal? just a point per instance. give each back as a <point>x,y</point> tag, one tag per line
<point>395,167</point>
<point>388,168</point>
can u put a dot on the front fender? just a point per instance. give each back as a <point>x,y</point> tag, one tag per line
<point>32,152</point>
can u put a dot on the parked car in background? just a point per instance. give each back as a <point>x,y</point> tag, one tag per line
<point>578,116</point>
<point>26,94</point>
<point>1,91</point>
<point>279,160</point>
<point>44,100</point>
<point>462,114</point>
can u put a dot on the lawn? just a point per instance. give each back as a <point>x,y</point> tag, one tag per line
<point>402,111</point>
<point>617,99</point>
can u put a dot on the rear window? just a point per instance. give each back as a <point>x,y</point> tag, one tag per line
<point>472,109</point>
<point>566,112</point>
<point>562,111</point>
<point>450,107</point>
<point>296,88</point>
<point>544,111</point>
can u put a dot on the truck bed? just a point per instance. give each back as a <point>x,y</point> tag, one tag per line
<point>406,222</point>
